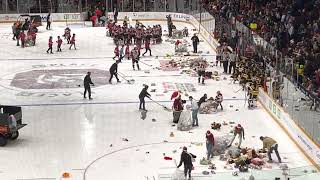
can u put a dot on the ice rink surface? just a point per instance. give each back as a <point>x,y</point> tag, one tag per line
<point>67,133</point>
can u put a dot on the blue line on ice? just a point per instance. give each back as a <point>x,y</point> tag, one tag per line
<point>101,102</point>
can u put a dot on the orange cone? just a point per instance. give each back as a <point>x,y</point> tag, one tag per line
<point>66,175</point>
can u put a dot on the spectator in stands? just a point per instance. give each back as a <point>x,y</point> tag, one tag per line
<point>291,27</point>
<point>98,13</point>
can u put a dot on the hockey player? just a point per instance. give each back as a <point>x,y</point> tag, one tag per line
<point>50,43</point>
<point>271,145</point>
<point>238,130</point>
<point>33,36</point>
<point>110,27</point>
<point>18,31</point>
<point>73,42</point>
<point>86,83</point>
<point>122,52</point>
<point>219,99</point>
<point>195,41</point>
<point>116,52</point>
<point>132,35</point>
<point>135,58</point>
<point>22,38</point>
<point>138,40</point>
<point>144,93</point>
<point>201,72</point>
<point>126,35</point>
<point>147,46</point>
<point>209,144</point>
<point>59,42</point>
<point>126,20</point>
<point>139,49</point>
<point>186,159</point>
<point>127,51</point>
<point>114,71</point>
<point>253,93</point>
<point>67,34</point>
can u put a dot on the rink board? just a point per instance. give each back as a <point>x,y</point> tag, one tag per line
<point>305,144</point>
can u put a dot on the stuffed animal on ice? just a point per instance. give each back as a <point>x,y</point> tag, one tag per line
<point>180,46</point>
<point>197,62</point>
<point>209,106</point>
<point>221,143</point>
<point>177,34</point>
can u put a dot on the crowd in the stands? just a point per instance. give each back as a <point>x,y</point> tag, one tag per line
<point>292,26</point>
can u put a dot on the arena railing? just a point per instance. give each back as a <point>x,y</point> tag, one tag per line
<point>298,173</point>
<point>293,96</point>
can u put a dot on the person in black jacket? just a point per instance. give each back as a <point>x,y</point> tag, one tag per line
<point>202,99</point>
<point>144,93</point>
<point>115,15</point>
<point>86,83</point>
<point>48,22</point>
<point>186,159</point>
<point>195,41</point>
<point>114,71</point>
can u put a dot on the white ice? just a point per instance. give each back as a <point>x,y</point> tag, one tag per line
<point>70,134</point>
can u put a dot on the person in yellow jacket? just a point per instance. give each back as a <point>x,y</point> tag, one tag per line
<point>271,145</point>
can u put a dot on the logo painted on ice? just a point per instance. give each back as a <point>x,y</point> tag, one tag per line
<point>57,78</point>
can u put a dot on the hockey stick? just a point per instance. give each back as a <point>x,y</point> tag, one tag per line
<point>245,98</point>
<point>175,162</point>
<point>164,107</point>
<point>237,90</point>
<point>131,81</point>
<point>145,64</point>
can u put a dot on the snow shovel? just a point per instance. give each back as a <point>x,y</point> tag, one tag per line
<point>164,107</point>
<point>131,81</point>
